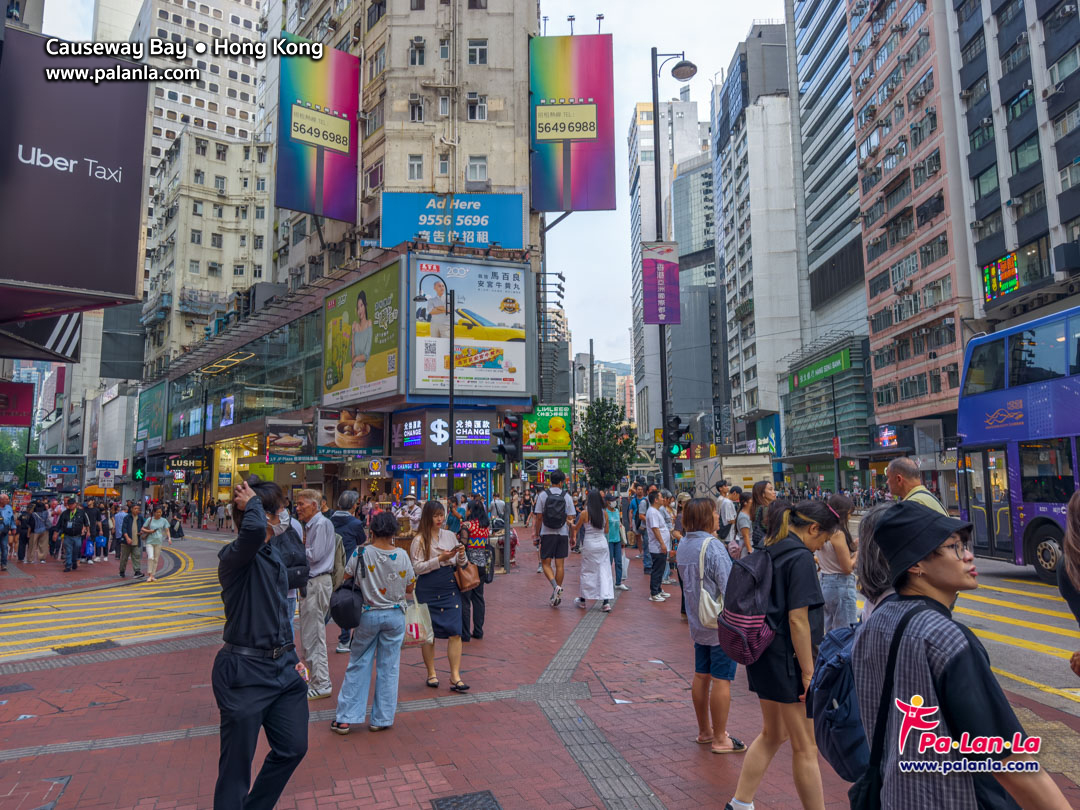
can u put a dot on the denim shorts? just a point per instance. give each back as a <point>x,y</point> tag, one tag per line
<point>710,659</point>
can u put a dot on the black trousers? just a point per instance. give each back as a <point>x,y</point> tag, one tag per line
<point>656,573</point>
<point>24,541</point>
<point>254,693</point>
<point>473,610</point>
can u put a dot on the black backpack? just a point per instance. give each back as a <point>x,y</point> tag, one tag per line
<point>554,516</point>
<point>292,553</point>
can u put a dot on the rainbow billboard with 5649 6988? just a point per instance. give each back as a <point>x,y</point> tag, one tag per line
<point>319,101</point>
<point>573,123</point>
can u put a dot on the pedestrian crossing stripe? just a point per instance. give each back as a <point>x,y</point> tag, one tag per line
<point>1068,694</point>
<point>1028,594</point>
<point>986,600</point>
<point>1042,628</point>
<point>153,632</point>
<point>1029,582</point>
<point>173,607</point>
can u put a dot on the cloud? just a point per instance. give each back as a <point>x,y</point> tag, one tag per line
<point>592,248</point>
<point>69,19</point>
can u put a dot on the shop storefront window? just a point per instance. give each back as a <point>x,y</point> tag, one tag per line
<point>273,374</point>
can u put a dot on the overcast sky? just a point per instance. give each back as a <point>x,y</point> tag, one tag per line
<point>592,249</point>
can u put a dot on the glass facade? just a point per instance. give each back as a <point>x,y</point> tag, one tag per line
<point>275,373</point>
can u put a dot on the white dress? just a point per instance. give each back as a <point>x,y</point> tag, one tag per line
<point>596,577</point>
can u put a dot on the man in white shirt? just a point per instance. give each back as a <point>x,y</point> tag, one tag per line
<point>727,509</point>
<point>319,543</point>
<point>659,545</point>
<point>553,529</point>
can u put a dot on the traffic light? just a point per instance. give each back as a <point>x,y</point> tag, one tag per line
<point>508,439</point>
<point>675,437</point>
<point>512,436</point>
<point>138,469</point>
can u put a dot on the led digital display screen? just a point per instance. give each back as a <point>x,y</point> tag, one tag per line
<point>1000,278</point>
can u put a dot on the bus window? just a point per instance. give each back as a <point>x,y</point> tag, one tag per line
<point>987,369</point>
<point>1046,474</point>
<point>1037,354</point>
<point>974,463</point>
<point>1073,345</point>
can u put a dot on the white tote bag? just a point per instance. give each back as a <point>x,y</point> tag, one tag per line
<point>709,609</point>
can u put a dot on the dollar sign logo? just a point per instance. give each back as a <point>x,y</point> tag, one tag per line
<point>439,434</point>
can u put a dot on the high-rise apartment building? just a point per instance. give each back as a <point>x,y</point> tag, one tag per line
<point>114,20</point>
<point>624,385</point>
<point>444,90</point>
<point>695,357</point>
<point>210,234</point>
<point>832,294</point>
<point>686,137</point>
<point>1017,72</point>
<point>28,14</point>
<point>919,283</point>
<point>555,365</point>
<point>753,141</point>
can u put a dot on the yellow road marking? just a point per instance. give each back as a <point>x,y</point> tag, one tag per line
<point>121,637</point>
<point>126,617</point>
<point>165,586</point>
<point>1020,593</point>
<point>1041,686</point>
<point>99,635</point>
<point>1030,582</point>
<point>1043,628</point>
<point>1023,644</point>
<point>1057,614</point>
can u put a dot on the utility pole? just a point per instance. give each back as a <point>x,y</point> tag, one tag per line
<point>592,374</point>
<point>450,408</point>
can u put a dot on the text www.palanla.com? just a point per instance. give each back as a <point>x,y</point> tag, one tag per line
<point>119,73</point>
<point>966,765</point>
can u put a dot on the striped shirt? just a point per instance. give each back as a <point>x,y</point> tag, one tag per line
<point>942,661</point>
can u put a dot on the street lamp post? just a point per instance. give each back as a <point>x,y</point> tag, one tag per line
<point>29,434</point>
<point>683,71</point>
<point>450,407</point>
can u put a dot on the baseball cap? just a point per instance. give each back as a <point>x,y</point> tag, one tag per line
<point>909,532</point>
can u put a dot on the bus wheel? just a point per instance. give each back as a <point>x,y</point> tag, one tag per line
<point>1046,545</point>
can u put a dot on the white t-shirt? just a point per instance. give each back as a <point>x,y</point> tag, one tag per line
<point>655,520</point>
<point>727,513</point>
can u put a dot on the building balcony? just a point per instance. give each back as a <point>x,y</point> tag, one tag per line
<point>199,302</point>
<point>744,309</point>
<point>155,308</point>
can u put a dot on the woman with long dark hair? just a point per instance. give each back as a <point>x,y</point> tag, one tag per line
<point>596,579</point>
<point>836,562</point>
<point>361,342</point>
<point>1069,573</point>
<point>781,675</point>
<point>435,552</point>
<point>763,494</point>
<point>477,527</point>
<point>871,567</point>
<point>744,525</point>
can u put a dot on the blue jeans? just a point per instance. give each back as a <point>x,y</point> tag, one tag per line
<point>615,550</point>
<point>376,643</point>
<point>838,591</point>
<point>3,548</point>
<point>72,551</point>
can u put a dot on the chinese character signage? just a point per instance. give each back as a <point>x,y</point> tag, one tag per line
<point>349,432</point>
<point>16,404</point>
<point>490,326</point>
<point>1000,278</point>
<point>660,282</point>
<point>424,435</point>
<point>571,87</point>
<point>820,370</point>
<point>360,350</point>
<point>546,430</point>
<point>318,106</point>
<point>474,220</point>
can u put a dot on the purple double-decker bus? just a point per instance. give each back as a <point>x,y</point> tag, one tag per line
<point>1018,422</point>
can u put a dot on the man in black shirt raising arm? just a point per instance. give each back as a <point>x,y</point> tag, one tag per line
<point>258,680</point>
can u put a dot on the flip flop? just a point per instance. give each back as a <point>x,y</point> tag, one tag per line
<point>737,747</point>
<point>701,741</point>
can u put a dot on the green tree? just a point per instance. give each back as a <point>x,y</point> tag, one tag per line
<point>605,444</point>
<point>13,458</point>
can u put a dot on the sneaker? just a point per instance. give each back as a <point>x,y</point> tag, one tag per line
<point>138,575</point>
<point>89,562</point>
<point>606,607</point>
<point>622,587</point>
<point>343,648</point>
<point>581,603</point>
<point>313,694</point>
<point>539,569</point>
<point>656,598</point>
<point>670,581</point>
<point>123,574</point>
<point>41,561</point>
<point>665,594</point>
<point>556,596</point>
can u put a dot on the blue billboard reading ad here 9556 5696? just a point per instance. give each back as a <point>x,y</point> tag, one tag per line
<point>472,220</point>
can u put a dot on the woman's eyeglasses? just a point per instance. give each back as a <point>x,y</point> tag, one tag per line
<point>959,549</point>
